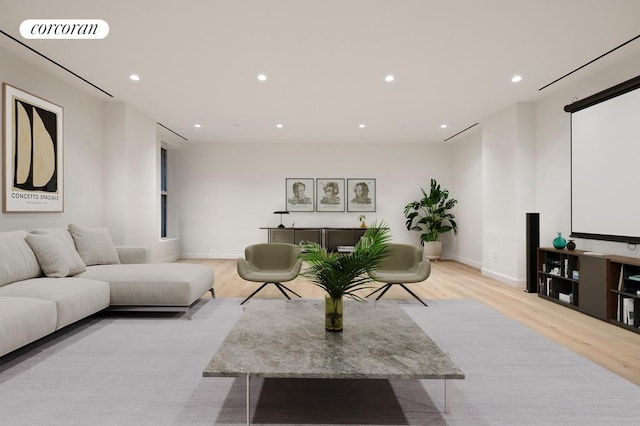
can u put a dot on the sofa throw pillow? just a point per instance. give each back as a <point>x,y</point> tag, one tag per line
<point>94,245</point>
<point>56,257</point>
<point>63,231</point>
<point>17,260</point>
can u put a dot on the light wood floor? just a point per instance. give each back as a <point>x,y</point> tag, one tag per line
<point>610,346</point>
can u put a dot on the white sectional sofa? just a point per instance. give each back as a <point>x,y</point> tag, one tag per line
<point>50,278</point>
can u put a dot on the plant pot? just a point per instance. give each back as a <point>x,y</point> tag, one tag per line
<point>333,313</point>
<point>433,250</point>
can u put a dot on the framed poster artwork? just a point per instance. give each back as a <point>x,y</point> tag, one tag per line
<point>361,194</point>
<point>330,195</point>
<point>299,194</point>
<point>33,153</point>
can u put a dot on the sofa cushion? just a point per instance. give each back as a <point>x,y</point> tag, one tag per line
<point>18,260</point>
<point>153,284</point>
<point>94,245</point>
<point>62,231</point>
<point>75,298</point>
<point>56,255</point>
<point>24,320</point>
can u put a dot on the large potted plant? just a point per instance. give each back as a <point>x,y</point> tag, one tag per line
<point>343,274</point>
<point>431,216</point>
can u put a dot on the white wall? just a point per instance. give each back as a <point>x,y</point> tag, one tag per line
<point>229,191</point>
<point>111,163</point>
<point>466,187</point>
<point>132,181</point>
<point>508,192</point>
<point>83,114</point>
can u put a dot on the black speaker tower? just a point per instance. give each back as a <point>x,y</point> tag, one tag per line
<point>533,242</point>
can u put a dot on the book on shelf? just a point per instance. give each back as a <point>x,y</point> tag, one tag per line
<point>635,277</point>
<point>627,310</point>
<point>620,283</point>
<point>566,297</point>
<point>345,249</point>
<point>621,278</point>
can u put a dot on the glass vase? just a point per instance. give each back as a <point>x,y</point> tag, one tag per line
<point>333,313</point>
<point>559,242</point>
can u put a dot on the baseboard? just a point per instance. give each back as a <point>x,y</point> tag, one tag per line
<point>514,282</point>
<point>468,262</point>
<point>168,259</point>
<point>210,256</point>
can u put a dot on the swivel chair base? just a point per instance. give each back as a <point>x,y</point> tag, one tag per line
<point>387,286</point>
<point>280,286</point>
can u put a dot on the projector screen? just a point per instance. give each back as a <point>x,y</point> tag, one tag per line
<point>605,164</point>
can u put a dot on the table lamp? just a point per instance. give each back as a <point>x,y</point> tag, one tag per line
<point>281,212</point>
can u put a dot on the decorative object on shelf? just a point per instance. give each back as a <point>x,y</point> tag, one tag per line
<point>571,245</point>
<point>33,153</point>
<point>431,217</point>
<point>361,219</point>
<point>281,212</point>
<point>343,274</point>
<point>559,242</point>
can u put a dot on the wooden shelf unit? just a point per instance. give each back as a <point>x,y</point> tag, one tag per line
<point>555,276</point>
<point>599,288</point>
<point>624,290</point>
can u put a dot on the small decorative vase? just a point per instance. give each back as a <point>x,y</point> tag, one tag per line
<point>333,313</point>
<point>571,245</point>
<point>559,242</point>
<point>363,225</point>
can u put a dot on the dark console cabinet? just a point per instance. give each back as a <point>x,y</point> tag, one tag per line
<point>295,235</point>
<point>334,237</point>
<point>593,286</point>
<point>331,238</point>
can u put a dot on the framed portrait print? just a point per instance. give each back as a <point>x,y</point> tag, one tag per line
<point>33,153</point>
<point>361,194</point>
<point>299,193</point>
<point>330,195</point>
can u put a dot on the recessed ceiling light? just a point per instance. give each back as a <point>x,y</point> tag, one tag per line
<point>262,77</point>
<point>389,78</point>
<point>134,77</point>
<point>516,78</point>
<point>443,126</point>
<point>197,126</point>
<point>362,126</point>
<point>279,126</point>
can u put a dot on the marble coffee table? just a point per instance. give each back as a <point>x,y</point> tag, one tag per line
<point>287,339</point>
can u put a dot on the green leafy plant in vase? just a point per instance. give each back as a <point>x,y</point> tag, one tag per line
<point>361,219</point>
<point>343,274</point>
<point>431,216</point>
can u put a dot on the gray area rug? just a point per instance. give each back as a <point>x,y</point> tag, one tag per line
<point>146,369</point>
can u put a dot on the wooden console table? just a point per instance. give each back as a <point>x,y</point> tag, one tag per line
<point>330,238</point>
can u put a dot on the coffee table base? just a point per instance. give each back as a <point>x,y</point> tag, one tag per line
<point>447,405</point>
<point>379,341</point>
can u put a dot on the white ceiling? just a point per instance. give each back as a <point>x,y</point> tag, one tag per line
<point>326,61</point>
